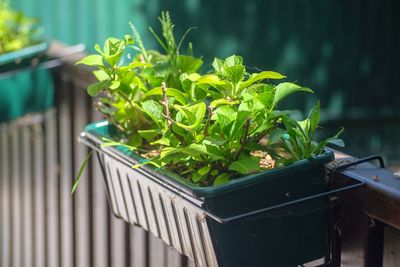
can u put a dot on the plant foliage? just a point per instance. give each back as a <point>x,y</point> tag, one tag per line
<point>16,30</point>
<point>209,128</point>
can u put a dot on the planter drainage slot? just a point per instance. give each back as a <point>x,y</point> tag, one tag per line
<point>251,222</point>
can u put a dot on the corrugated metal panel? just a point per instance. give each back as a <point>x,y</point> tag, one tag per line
<point>89,21</point>
<point>340,48</point>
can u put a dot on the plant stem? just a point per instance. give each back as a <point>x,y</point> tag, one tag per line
<point>139,42</point>
<point>210,109</point>
<point>165,103</point>
<point>243,141</point>
<point>124,96</point>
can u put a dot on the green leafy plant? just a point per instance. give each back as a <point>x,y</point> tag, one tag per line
<point>16,30</point>
<point>209,128</point>
<point>300,136</point>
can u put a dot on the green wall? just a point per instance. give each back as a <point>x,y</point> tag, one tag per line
<point>347,51</point>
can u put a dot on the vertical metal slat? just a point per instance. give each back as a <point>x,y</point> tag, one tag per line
<point>81,196</point>
<point>52,218</point>
<point>27,196</point>
<point>5,211</point>
<point>38,200</point>
<point>16,226</point>
<point>66,175</point>
<point>100,216</point>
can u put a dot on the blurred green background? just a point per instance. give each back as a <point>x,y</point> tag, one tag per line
<point>347,51</point>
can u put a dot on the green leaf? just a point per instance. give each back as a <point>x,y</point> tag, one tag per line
<point>194,114</point>
<point>222,179</point>
<point>223,101</point>
<point>214,172</point>
<point>233,60</point>
<point>149,135</point>
<point>98,49</point>
<point>235,73</point>
<point>95,88</point>
<point>160,42</point>
<point>246,165</point>
<point>193,77</point>
<point>201,174</point>
<point>211,80</point>
<point>282,90</point>
<point>114,85</point>
<point>147,162</point>
<point>179,96</point>
<point>218,66</point>
<point>225,115</point>
<point>109,142</point>
<point>81,169</point>
<point>101,75</point>
<point>136,64</point>
<point>168,151</point>
<point>279,113</point>
<point>214,151</point>
<point>275,136</point>
<point>91,60</point>
<point>194,150</point>
<point>113,50</point>
<point>252,106</point>
<point>196,178</point>
<point>188,63</point>
<point>164,141</point>
<point>262,76</point>
<point>335,141</point>
<point>135,140</point>
<point>314,117</point>
<point>203,171</point>
<point>237,128</point>
<point>129,39</point>
<point>155,111</point>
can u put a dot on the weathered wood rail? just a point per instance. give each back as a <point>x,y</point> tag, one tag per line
<point>42,224</point>
<point>370,218</point>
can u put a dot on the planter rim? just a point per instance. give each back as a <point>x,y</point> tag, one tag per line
<point>24,53</point>
<point>95,131</point>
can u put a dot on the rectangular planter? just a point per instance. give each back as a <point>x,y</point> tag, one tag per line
<point>246,222</point>
<point>23,57</point>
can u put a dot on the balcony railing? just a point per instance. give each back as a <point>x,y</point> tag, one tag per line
<point>42,224</point>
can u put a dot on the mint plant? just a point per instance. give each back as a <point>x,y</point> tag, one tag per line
<point>208,128</point>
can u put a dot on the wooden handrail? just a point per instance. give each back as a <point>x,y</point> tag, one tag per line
<point>365,212</point>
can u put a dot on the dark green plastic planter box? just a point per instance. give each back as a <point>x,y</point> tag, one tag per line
<point>246,222</point>
<point>23,89</point>
<point>23,57</point>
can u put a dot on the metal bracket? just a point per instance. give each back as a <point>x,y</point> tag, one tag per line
<point>286,204</point>
<point>359,183</point>
<point>359,161</point>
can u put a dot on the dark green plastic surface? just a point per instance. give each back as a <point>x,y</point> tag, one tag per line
<point>25,92</point>
<point>23,57</point>
<point>283,237</point>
